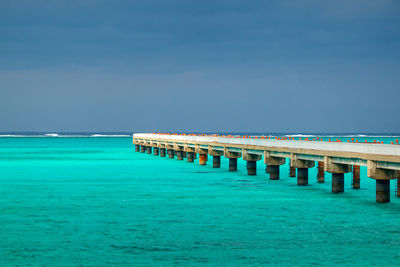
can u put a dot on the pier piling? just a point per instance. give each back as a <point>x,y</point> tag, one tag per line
<point>337,182</point>
<point>321,172</point>
<point>233,164</point>
<point>273,164</point>
<point>382,191</point>
<point>156,151</point>
<point>148,149</point>
<point>251,161</point>
<point>171,153</point>
<point>137,148</point>
<point>252,167</point>
<point>202,159</point>
<point>216,161</point>
<point>142,149</point>
<point>356,177</point>
<point>302,176</point>
<point>273,172</point>
<point>162,152</point>
<point>398,187</point>
<point>179,155</point>
<point>190,156</point>
<point>302,167</point>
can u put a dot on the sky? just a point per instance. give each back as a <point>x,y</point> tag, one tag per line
<point>210,65</point>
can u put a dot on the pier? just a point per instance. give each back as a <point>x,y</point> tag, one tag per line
<point>337,158</point>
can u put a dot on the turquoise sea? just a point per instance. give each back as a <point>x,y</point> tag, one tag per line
<point>93,201</point>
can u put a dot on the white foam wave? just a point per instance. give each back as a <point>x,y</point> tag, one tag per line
<point>52,135</point>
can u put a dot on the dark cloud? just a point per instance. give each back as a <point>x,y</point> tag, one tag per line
<point>200,65</point>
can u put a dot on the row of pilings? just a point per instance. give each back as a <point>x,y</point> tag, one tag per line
<point>298,167</point>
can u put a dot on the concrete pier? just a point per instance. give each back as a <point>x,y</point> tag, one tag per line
<point>337,182</point>
<point>171,153</point>
<point>321,172</point>
<point>162,152</point>
<point>382,177</point>
<point>156,151</point>
<point>252,167</point>
<point>148,149</point>
<point>216,161</point>
<point>190,156</point>
<point>302,167</point>
<point>338,170</point>
<point>179,155</point>
<point>232,156</point>
<point>356,177</point>
<point>398,187</point>
<point>273,164</point>
<point>302,176</point>
<point>382,191</point>
<point>202,159</point>
<point>273,172</point>
<point>233,164</point>
<point>382,161</point>
<point>137,148</point>
<point>251,159</point>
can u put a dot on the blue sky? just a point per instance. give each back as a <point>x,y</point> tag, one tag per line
<point>298,66</point>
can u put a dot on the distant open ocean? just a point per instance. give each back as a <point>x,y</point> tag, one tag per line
<point>70,199</point>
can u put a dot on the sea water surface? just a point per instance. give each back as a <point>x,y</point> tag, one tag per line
<point>96,202</point>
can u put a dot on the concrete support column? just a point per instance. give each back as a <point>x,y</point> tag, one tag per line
<point>137,148</point>
<point>233,164</point>
<point>149,149</point>
<point>252,167</point>
<point>156,151</point>
<point>302,176</point>
<point>171,153</point>
<point>179,155</point>
<point>398,188</point>
<point>162,152</point>
<point>382,177</point>
<point>337,182</point>
<point>232,156</point>
<point>338,170</point>
<point>142,149</point>
<point>184,155</point>
<point>273,164</point>
<point>302,168</point>
<point>202,159</point>
<point>216,161</point>
<point>321,172</point>
<point>356,177</point>
<point>273,172</point>
<point>382,191</point>
<point>251,161</point>
<point>190,156</point>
